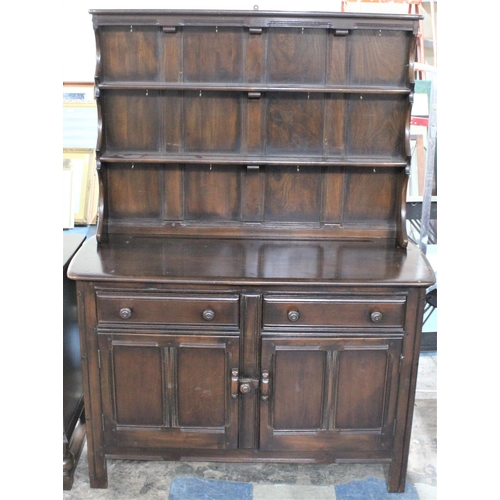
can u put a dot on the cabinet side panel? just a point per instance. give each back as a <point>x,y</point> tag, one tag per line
<point>138,385</point>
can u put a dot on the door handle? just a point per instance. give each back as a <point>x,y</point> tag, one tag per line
<point>264,386</point>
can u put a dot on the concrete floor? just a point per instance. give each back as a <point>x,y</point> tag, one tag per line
<point>130,480</point>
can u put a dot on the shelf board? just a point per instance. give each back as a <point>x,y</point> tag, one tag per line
<point>251,160</point>
<point>253,87</point>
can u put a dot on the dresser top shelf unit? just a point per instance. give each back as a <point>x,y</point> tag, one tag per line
<point>252,124</point>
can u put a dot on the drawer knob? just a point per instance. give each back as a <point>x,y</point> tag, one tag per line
<point>293,316</point>
<point>125,312</point>
<point>208,315</point>
<point>376,317</point>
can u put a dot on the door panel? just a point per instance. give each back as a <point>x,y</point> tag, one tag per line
<point>300,376</point>
<point>329,394</point>
<point>169,390</point>
<point>201,386</point>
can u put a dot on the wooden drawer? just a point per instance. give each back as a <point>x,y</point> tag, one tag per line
<point>168,309</point>
<point>354,312</point>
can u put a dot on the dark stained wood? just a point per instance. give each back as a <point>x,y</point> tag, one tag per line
<point>73,407</point>
<point>256,262</point>
<point>251,294</point>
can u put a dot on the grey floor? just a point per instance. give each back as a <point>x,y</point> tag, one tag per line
<point>152,480</point>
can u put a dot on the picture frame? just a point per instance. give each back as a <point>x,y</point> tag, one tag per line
<point>84,184</point>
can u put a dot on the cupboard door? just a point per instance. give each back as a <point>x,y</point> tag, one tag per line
<point>329,394</point>
<point>169,391</point>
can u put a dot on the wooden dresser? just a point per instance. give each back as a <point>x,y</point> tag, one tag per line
<point>251,294</point>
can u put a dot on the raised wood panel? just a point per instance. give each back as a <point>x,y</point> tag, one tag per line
<point>212,193</point>
<point>138,385</point>
<point>379,57</point>
<point>276,55</point>
<point>371,196</point>
<point>212,54</point>
<point>329,393</point>
<point>268,194</point>
<point>132,120</point>
<point>296,55</point>
<point>134,191</point>
<point>137,46</point>
<point>376,126</point>
<point>294,123</point>
<point>201,385</point>
<point>299,383</point>
<point>212,122</point>
<point>157,385</point>
<point>361,388</point>
<point>293,194</point>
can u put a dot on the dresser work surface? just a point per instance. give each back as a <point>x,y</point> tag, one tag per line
<point>251,294</point>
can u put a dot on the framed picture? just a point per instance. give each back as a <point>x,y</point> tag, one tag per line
<point>84,184</point>
<point>68,213</point>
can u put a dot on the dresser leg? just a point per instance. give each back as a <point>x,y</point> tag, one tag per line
<point>396,481</point>
<point>98,473</point>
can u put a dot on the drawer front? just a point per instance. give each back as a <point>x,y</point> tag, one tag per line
<point>353,312</point>
<point>168,310</point>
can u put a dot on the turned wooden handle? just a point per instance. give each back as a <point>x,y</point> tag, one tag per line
<point>125,312</point>
<point>208,314</point>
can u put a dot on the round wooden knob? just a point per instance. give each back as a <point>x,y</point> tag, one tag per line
<point>245,388</point>
<point>293,316</point>
<point>125,312</point>
<point>376,317</point>
<point>208,315</point>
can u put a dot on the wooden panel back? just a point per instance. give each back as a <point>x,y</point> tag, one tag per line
<point>314,197</point>
<point>288,124</point>
<point>274,54</point>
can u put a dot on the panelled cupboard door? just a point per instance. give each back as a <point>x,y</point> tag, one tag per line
<point>329,394</point>
<point>168,391</point>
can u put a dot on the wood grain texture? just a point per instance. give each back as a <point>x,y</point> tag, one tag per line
<point>250,294</point>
